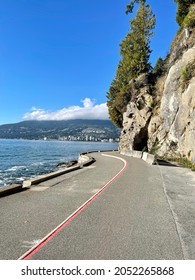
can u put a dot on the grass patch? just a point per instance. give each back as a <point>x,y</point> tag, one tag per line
<point>180,161</point>
<point>187,74</point>
<point>189,20</point>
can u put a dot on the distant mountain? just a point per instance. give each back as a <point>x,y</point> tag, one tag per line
<point>64,130</point>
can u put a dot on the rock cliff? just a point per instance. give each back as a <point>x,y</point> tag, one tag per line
<point>161,116</point>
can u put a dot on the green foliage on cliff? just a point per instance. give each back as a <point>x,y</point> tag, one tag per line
<point>189,20</point>
<point>187,74</point>
<point>182,10</point>
<point>135,52</point>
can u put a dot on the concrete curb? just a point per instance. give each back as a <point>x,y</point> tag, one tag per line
<point>14,188</point>
<point>149,158</point>
<point>85,160</point>
<point>43,178</point>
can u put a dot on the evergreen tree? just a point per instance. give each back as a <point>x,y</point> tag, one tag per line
<point>132,4</point>
<point>159,67</point>
<point>112,104</point>
<point>141,28</point>
<point>135,52</point>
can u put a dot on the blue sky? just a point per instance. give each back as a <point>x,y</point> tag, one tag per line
<point>58,57</point>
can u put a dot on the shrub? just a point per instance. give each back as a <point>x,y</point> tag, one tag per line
<point>187,74</point>
<point>182,10</point>
<point>189,20</point>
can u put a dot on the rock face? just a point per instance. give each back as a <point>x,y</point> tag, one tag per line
<point>134,135</point>
<point>169,128</point>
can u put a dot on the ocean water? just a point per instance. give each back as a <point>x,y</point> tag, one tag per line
<point>24,159</point>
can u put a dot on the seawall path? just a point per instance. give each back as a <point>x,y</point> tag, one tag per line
<point>117,208</point>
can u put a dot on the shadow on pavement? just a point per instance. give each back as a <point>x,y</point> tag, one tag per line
<point>165,163</point>
<point>7,193</point>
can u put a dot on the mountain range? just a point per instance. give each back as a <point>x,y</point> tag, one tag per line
<point>64,130</point>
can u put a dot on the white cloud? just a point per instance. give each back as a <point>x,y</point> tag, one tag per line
<point>89,110</point>
<point>88,103</point>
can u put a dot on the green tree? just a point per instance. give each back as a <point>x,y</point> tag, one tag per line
<point>159,67</point>
<point>182,9</point>
<point>112,103</point>
<point>129,8</point>
<point>135,52</point>
<point>142,31</point>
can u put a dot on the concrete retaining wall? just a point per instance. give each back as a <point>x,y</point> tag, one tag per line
<point>150,159</point>
<point>136,154</point>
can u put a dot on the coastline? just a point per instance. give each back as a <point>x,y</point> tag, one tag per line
<point>84,159</point>
<point>23,159</point>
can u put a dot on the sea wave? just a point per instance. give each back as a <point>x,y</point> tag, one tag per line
<point>15,168</point>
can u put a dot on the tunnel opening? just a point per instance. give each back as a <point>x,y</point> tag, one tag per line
<point>141,140</point>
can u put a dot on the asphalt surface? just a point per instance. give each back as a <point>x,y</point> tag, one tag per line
<point>179,185</point>
<point>136,216</point>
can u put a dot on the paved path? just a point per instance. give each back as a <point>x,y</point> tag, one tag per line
<point>133,217</point>
<point>179,186</point>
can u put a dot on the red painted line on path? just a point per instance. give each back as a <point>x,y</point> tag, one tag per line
<point>29,254</point>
